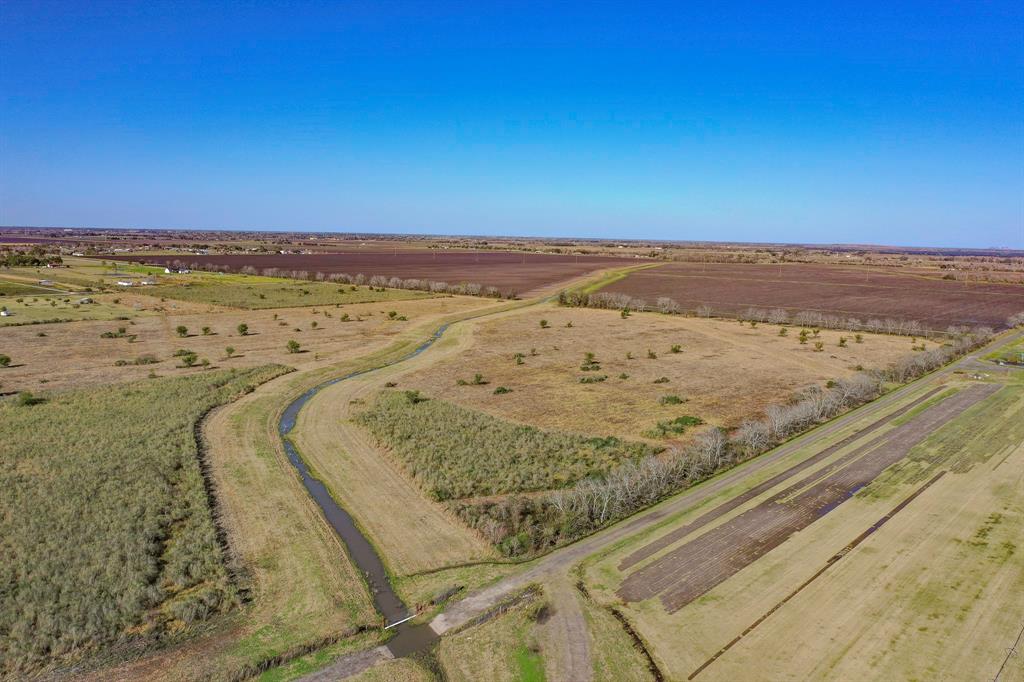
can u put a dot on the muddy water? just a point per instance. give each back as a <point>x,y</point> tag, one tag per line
<point>409,639</point>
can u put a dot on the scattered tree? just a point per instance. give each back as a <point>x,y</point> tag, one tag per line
<point>293,346</point>
<point>181,330</point>
<point>243,329</point>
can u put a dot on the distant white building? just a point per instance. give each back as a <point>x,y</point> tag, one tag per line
<point>5,313</point>
<point>125,283</point>
<point>176,271</point>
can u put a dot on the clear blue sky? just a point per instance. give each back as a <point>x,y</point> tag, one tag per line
<point>898,123</point>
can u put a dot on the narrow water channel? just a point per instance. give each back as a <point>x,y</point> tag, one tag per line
<point>409,639</point>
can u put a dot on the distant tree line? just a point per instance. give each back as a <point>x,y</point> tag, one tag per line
<point>34,257</point>
<point>668,306</point>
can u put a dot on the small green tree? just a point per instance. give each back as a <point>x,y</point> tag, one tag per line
<point>293,346</point>
<point>842,342</point>
<point>651,355</point>
<point>783,331</point>
<point>676,348</point>
<point>229,351</point>
<point>5,360</point>
<point>624,313</point>
<point>243,329</point>
<point>858,338</point>
<point>819,346</point>
<point>207,331</point>
<point>182,330</point>
<point>543,324</point>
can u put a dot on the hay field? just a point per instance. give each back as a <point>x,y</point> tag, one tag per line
<point>74,354</point>
<point>725,372</point>
<point>934,593</point>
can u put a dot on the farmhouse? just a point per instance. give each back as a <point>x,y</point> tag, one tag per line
<point>125,283</point>
<point>176,271</point>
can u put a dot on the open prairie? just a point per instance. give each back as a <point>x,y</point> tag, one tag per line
<point>859,292</point>
<point>520,272</point>
<point>72,354</point>
<point>723,372</point>
<point>907,564</point>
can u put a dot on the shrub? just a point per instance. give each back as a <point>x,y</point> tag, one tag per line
<point>181,330</point>
<point>544,324</point>
<point>5,360</point>
<point>207,331</point>
<point>651,355</point>
<point>819,346</point>
<point>661,380</point>
<point>229,351</point>
<point>595,379</point>
<point>623,376</point>
<point>243,329</point>
<point>293,346</point>
<point>670,400</point>
<point>501,390</point>
<point>673,427</point>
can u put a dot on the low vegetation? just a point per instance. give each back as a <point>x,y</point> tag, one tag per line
<point>455,453</point>
<point>239,291</point>
<point>107,531</point>
<point>526,525</point>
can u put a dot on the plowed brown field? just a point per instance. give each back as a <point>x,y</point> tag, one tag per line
<point>864,293</point>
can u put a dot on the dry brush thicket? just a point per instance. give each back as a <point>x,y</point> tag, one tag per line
<point>456,453</point>
<point>521,525</point>
<point>105,524</point>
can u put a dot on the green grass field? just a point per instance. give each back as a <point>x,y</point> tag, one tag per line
<point>1013,352</point>
<point>106,530</point>
<point>13,288</point>
<point>38,309</point>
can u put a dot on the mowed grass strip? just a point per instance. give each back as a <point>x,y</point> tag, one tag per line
<point>254,293</point>
<point>454,452</point>
<point>106,529</point>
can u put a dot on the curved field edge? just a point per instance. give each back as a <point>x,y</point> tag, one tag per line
<point>108,530</point>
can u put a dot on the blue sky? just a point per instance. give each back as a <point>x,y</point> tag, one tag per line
<point>810,122</point>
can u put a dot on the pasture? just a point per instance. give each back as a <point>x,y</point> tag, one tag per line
<point>108,533</point>
<point>49,308</point>
<point>723,372</point>
<point>257,293</point>
<point>917,576</point>
<point>859,292</point>
<point>77,354</point>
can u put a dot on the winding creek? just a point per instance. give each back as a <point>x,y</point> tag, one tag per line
<point>408,638</point>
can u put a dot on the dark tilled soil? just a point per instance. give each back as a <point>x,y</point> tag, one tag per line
<point>863,293</point>
<point>694,568</point>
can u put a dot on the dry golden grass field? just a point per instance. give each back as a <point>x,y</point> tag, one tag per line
<point>725,372</point>
<point>936,592</point>
<point>73,354</point>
